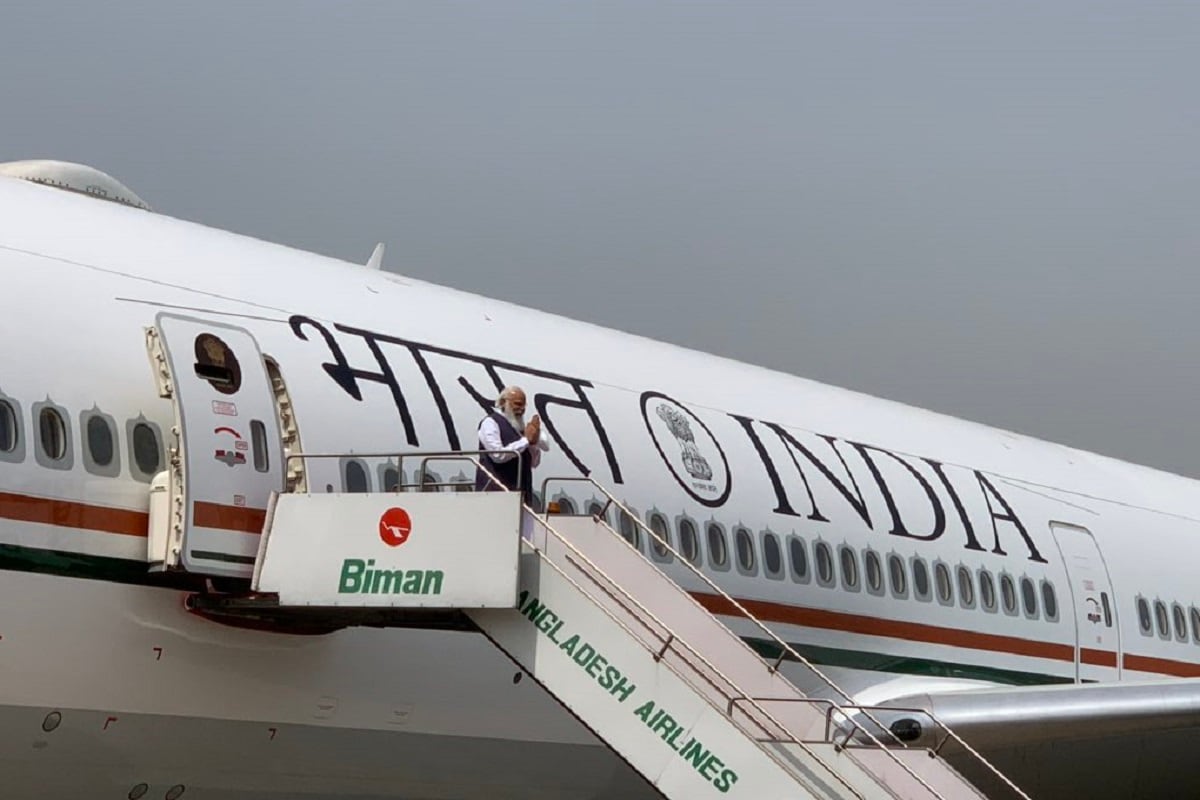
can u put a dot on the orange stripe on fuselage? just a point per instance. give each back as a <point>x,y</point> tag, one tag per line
<point>933,634</point>
<point>1162,666</point>
<point>228,518</point>
<point>70,514</point>
<point>121,521</point>
<point>893,629</point>
<point>124,522</point>
<point>1099,658</point>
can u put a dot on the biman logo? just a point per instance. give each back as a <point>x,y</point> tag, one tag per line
<point>395,527</point>
<point>361,576</point>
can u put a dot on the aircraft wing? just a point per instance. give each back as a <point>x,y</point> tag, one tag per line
<point>1095,741</point>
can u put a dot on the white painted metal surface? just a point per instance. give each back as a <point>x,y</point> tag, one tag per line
<point>659,678</point>
<point>1097,647</point>
<point>411,550</point>
<point>229,441</point>
<point>73,177</point>
<point>342,332</point>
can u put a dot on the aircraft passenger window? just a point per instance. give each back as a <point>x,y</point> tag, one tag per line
<point>101,456</point>
<point>8,427</point>
<point>258,441</point>
<point>920,579</point>
<point>430,482</point>
<point>12,434</point>
<point>718,550</point>
<point>1143,612</point>
<point>849,567</point>
<point>1008,594</point>
<point>1029,598</point>
<point>799,557</point>
<point>1049,601</point>
<point>873,567</point>
<point>1180,622</point>
<point>1160,616</point>
<point>772,555</point>
<point>824,563</point>
<point>147,450</point>
<point>1195,625</point>
<point>355,479</point>
<point>52,433</point>
<point>966,587</point>
<point>217,364</point>
<point>945,587</point>
<point>689,544</point>
<point>987,590</point>
<point>100,441</point>
<point>390,479</point>
<point>52,443</point>
<point>662,537</point>
<point>897,575</point>
<point>745,550</point>
<point>596,510</point>
<point>629,531</point>
<point>566,506</point>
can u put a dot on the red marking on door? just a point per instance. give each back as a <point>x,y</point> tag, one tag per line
<point>108,722</point>
<point>394,527</point>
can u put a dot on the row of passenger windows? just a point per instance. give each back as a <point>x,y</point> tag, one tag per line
<point>1165,623</point>
<point>845,567</point>
<point>356,478</point>
<point>53,441</point>
<point>751,555</point>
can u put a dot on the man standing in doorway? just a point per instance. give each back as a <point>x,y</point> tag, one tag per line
<point>522,444</point>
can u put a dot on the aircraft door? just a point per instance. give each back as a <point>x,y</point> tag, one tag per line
<point>1097,637</point>
<point>229,452</point>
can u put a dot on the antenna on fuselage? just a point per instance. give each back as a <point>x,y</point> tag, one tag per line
<point>376,259</point>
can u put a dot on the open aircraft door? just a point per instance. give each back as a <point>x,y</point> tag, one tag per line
<point>227,455</point>
<point>1097,635</point>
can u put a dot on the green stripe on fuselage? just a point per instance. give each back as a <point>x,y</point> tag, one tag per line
<point>119,570</point>
<point>903,665</point>
<point>16,558</point>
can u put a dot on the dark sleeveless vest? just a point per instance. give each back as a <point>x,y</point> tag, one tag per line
<point>512,473</point>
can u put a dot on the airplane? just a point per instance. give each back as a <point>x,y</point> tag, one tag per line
<point>1037,598</point>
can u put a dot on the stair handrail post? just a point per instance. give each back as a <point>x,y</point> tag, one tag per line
<point>692,651</point>
<point>780,642</point>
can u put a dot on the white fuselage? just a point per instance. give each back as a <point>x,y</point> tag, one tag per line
<point>765,467</point>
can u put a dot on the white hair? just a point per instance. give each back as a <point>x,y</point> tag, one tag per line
<point>506,394</point>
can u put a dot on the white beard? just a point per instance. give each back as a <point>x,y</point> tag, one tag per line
<point>516,422</point>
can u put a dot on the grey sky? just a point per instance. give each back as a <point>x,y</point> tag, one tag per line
<point>983,208</point>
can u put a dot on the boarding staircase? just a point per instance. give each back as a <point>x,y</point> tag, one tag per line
<point>660,680</point>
